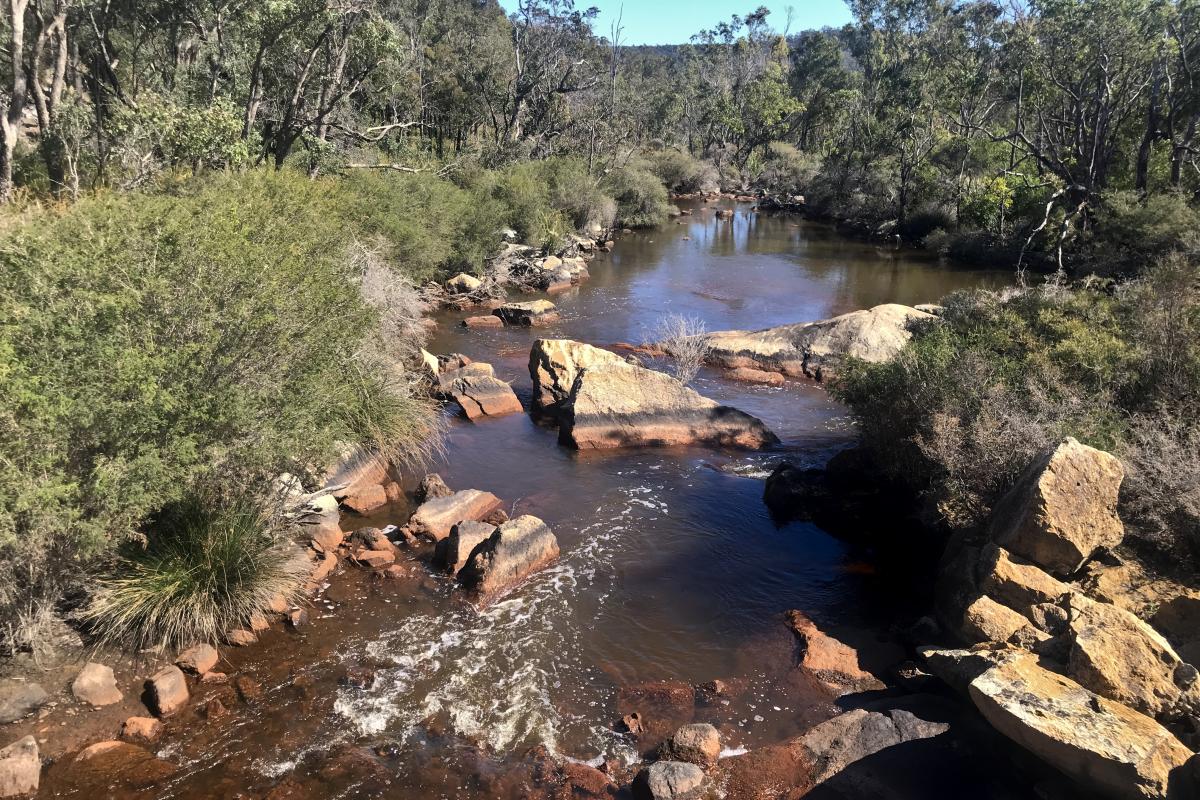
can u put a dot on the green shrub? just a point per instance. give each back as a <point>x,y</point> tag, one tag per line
<point>641,197</point>
<point>787,170</point>
<point>964,408</point>
<point>682,172</point>
<point>153,343</point>
<point>207,565</point>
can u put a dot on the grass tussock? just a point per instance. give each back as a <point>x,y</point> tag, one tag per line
<point>205,568</point>
<point>684,340</point>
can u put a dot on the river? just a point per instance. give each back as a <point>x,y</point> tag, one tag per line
<point>673,572</point>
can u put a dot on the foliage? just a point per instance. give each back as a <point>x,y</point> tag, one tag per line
<point>154,342</point>
<point>974,396</point>
<point>682,172</point>
<point>640,195</point>
<point>208,565</point>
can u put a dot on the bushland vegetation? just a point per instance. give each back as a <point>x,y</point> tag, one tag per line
<point>217,216</point>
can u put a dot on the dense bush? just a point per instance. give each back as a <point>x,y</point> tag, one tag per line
<point>682,172</point>
<point>154,344</point>
<point>969,402</point>
<point>641,197</point>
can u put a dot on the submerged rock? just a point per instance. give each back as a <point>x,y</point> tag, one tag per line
<point>436,517</point>
<point>751,375</point>
<point>20,768</point>
<point>1108,748</point>
<point>1063,508</point>
<point>815,349</point>
<point>622,405</point>
<point>141,729</point>
<point>511,553</point>
<point>119,766</point>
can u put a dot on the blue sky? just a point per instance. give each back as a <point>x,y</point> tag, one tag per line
<point>674,21</point>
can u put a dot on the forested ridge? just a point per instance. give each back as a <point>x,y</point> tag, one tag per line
<point>314,163</point>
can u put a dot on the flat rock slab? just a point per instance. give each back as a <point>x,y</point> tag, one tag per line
<point>510,554</point>
<point>833,663</point>
<point>622,405</point>
<point>815,349</point>
<point>436,517</point>
<point>533,314</point>
<point>837,743</point>
<point>1108,748</point>
<point>483,321</point>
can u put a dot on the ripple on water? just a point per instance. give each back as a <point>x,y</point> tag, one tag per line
<point>505,677</point>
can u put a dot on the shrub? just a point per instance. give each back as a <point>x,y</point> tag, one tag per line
<point>207,565</point>
<point>154,343</point>
<point>682,172</point>
<point>787,170</point>
<point>964,408</point>
<point>641,197</point>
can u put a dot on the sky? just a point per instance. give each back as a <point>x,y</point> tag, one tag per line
<point>674,21</point>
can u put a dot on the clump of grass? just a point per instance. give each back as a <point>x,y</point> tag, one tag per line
<point>685,340</point>
<point>206,567</point>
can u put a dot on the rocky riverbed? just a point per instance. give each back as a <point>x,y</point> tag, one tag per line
<point>593,598</point>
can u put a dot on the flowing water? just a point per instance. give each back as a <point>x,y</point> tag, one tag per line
<point>672,573</point>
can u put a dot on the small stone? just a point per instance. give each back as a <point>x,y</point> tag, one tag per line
<point>698,743</point>
<point>168,691</point>
<point>20,699</point>
<point>632,724</point>
<point>214,678</point>
<point>96,685</point>
<point>432,486</point>
<point>141,729</point>
<point>278,604</point>
<point>20,768</point>
<point>668,780</point>
<point>259,622</point>
<point>298,618</point>
<point>198,659</point>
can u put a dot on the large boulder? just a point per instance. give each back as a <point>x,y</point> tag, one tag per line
<point>1111,750</point>
<point>436,517</point>
<point>669,780</point>
<point>532,314</point>
<point>833,663</point>
<point>20,699</point>
<point>1118,656</point>
<point>96,685</point>
<point>555,363</point>
<point>623,405</point>
<point>985,620</point>
<point>1062,509</point>
<point>20,768</point>
<point>516,549</point>
<point>816,349</point>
